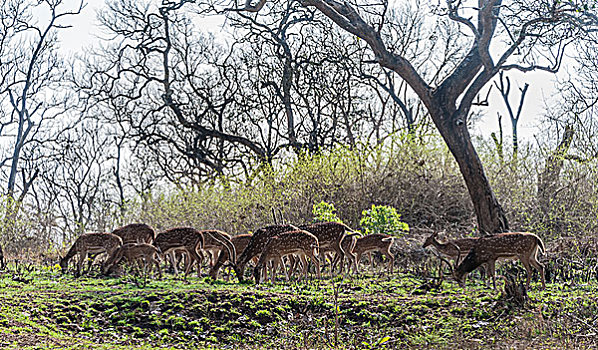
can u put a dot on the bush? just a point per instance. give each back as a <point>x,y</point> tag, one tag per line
<point>325,212</point>
<point>383,219</point>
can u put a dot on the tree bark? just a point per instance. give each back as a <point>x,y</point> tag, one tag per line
<point>490,215</point>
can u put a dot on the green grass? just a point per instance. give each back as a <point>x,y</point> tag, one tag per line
<point>59,311</point>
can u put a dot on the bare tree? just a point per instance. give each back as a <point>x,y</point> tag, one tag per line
<point>539,31</point>
<point>504,88</point>
<point>32,68</point>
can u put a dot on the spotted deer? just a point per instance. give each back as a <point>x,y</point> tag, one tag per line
<point>136,233</point>
<point>513,245</point>
<point>216,241</point>
<point>330,235</point>
<point>448,249</point>
<point>372,243</point>
<point>301,243</point>
<point>240,242</point>
<point>456,249</point>
<point>143,254</point>
<point>348,245</point>
<point>91,243</point>
<point>256,245</point>
<point>181,239</point>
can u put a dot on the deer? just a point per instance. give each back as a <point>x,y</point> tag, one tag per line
<point>375,242</point>
<point>216,241</point>
<point>448,249</point>
<point>143,254</point>
<point>347,243</point>
<point>299,242</point>
<point>330,235</point>
<point>181,239</point>
<point>513,245</point>
<point>91,243</point>
<point>240,242</point>
<point>257,244</point>
<point>136,233</point>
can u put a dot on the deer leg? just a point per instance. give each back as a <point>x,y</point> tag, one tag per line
<point>157,264</point>
<point>82,257</point>
<point>528,270</point>
<point>316,262</point>
<point>540,267</point>
<point>391,257</point>
<point>292,264</point>
<point>193,258</point>
<point>492,272</point>
<point>275,262</point>
<point>304,267</point>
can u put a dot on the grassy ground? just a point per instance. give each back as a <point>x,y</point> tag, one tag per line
<point>45,309</point>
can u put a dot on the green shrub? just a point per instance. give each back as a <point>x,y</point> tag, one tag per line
<point>325,212</point>
<point>383,219</point>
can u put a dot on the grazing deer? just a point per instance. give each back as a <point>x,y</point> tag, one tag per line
<point>143,254</point>
<point>136,233</point>
<point>330,235</point>
<point>181,239</point>
<point>514,245</point>
<point>91,243</point>
<point>256,245</point>
<point>456,249</point>
<point>216,241</point>
<point>240,242</point>
<point>375,242</point>
<point>300,242</point>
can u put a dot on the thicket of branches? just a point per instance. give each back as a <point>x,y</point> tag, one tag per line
<point>282,107</point>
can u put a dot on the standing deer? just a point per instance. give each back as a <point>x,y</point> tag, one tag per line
<point>330,235</point>
<point>143,254</point>
<point>300,242</point>
<point>375,242</point>
<point>136,233</point>
<point>91,243</point>
<point>256,245</point>
<point>181,239</point>
<point>448,249</point>
<point>514,245</point>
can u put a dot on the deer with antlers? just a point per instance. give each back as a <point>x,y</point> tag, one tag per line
<point>143,254</point>
<point>301,243</point>
<point>513,245</point>
<point>91,243</point>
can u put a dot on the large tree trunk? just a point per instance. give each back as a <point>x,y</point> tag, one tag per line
<point>490,215</point>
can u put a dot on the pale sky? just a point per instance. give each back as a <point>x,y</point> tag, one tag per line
<point>84,31</point>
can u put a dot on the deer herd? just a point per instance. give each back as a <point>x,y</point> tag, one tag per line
<point>291,248</point>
